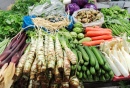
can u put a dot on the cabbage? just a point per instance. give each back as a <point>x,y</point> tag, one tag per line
<point>72,7</point>
<point>90,5</point>
<point>80,3</point>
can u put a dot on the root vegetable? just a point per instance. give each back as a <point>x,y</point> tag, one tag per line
<point>33,69</point>
<point>19,68</point>
<point>74,82</point>
<point>58,77</point>
<point>71,56</point>
<point>67,67</point>
<point>41,63</point>
<point>30,57</point>
<point>46,47</point>
<point>51,54</point>
<point>59,54</point>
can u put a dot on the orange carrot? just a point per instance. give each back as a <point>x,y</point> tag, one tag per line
<point>97,29</point>
<point>92,43</point>
<point>103,37</point>
<point>97,33</point>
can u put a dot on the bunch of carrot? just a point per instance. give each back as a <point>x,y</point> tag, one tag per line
<point>97,34</point>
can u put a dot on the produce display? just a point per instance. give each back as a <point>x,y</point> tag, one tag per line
<point>51,50</point>
<point>117,20</point>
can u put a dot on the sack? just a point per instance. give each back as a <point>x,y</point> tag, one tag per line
<point>95,23</point>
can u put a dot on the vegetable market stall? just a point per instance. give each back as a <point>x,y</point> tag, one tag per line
<point>58,49</point>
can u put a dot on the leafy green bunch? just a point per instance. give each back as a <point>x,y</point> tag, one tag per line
<point>10,24</point>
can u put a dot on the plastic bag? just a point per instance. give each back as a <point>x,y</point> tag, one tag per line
<point>55,7</point>
<point>96,23</point>
<point>38,10</point>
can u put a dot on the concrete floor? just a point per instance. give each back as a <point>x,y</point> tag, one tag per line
<point>5,3</point>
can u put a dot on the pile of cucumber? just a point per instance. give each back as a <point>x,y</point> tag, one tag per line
<point>91,65</point>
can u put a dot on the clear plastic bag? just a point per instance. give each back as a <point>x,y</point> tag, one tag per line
<point>53,8</point>
<point>96,23</point>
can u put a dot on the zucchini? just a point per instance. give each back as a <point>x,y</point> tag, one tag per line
<point>106,67</point>
<point>92,70</point>
<point>84,54</point>
<point>84,68</point>
<point>80,57</point>
<point>86,63</point>
<point>98,56</point>
<point>92,57</point>
<point>79,68</point>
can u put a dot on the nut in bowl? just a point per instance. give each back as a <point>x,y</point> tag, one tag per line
<point>88,17</point>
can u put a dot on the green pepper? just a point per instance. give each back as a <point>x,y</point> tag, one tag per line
<point>78,30</point>
<point>78,24</point>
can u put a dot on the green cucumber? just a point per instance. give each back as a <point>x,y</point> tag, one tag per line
<point>77,73</point>
<point>87,39</point>
<point>96,78</point>
<point>103,57</point>
<point>106,67</point>
<point>90,78</point>
<point>80,57</point>
<point>86,63</point>
<point>84,68</point>
<point>98,56</point>
<point>111,74</point>
<point>80,75</point>
<point>72,67</point>
<point>74,51</point>
<point>84,54</point>
<point>84,76</point>
<point>102,71</point>
<point>79,68</point>
<point>107,76</point>
<point>88,72</point>
<point>97,65</point>
<point>102,78</point>
<point>99,72</point>
<point>92,70</point>
<point>92,57</point>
